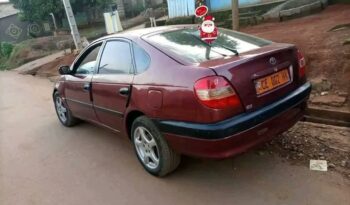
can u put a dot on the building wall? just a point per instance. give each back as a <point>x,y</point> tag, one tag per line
<point>216,5</point>
<point>177,8</point>
<point>14,30</point>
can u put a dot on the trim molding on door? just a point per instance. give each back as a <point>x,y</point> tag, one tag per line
<point>79,102</point>
<point>119,114</point>
<point>99,124</point>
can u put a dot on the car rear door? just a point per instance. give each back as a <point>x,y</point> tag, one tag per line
<point>78,84</point>
<point>111,85</point>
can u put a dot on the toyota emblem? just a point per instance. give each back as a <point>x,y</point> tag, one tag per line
<point>273,61</point>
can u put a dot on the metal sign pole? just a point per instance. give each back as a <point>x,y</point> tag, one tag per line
<point>72,24</point>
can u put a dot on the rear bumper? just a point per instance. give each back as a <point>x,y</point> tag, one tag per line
<point>237,134</point>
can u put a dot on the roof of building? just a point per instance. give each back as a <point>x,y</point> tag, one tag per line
<point>7,9</point>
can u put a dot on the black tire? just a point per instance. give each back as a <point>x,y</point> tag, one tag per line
<point>169,160</point>
<point>70,119</point>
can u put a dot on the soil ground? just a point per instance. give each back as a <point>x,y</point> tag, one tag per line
<point>324,50</point>
<point>309,141</point>
<point>51,69</point>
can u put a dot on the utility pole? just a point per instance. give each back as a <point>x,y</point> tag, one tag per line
<point>235,15</point>
<point>72,24</point>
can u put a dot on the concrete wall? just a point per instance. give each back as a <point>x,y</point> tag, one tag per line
<point>14,30</point>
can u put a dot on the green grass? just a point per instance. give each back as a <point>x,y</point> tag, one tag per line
<point>36,48</point>
<point>13,61</point>
<point>16,58</point>
<point>3,64</point>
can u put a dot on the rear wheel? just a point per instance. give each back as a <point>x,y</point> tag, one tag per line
<point>63,113</point>
<point>151,149</point>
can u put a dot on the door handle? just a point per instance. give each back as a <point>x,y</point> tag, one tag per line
<point>124,91</point>
<point>87,87</point>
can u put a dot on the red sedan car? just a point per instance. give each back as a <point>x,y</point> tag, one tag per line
<point>172,93</point>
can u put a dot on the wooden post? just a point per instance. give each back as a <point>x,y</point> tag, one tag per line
<point>235,15</point>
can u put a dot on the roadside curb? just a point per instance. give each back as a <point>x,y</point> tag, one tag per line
<point>328,116</point>
<point>302,10</point>
<point>31,67</point>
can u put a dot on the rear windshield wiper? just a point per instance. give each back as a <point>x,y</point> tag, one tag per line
<point>228,48</point>
<point>211,46</point>
<point>207,44</point>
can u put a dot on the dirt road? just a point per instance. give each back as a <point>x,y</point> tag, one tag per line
<point>41,162</point>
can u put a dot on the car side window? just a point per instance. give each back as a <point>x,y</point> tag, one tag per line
<point>142,59</point>
<point>116,58</point>
<point>88,63</point>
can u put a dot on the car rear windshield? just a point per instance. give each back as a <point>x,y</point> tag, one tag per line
<point>185,44</point>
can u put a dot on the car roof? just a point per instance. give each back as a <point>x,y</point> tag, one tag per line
<point>138,33</point>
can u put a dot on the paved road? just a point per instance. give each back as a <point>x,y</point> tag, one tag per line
<point>41,162</point>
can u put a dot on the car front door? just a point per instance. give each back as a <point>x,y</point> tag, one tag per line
<point>78,84</point>
<point>111,86</point>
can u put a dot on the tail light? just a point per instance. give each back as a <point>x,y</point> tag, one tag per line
<point>302,64</point>
<point>217,93</point>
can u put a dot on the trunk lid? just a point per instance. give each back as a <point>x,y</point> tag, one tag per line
<point>245,70</point>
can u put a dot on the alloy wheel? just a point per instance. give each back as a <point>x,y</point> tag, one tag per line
<point>146,147</point>
<point>61,110</point>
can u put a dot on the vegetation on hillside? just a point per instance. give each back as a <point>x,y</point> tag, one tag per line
<point>14,55</point>
<point>39,10</point>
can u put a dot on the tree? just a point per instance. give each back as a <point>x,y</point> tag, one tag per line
<point>91,7</point>
<point>39,10</point>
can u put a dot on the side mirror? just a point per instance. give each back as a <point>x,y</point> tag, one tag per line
<point>64,70</point>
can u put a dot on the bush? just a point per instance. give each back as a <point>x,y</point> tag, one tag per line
<point>6,49</point>
<point>33,35</point>
<point>138,9</point>
<point>3,66</point>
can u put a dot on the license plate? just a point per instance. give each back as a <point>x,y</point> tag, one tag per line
<point>271,82</point>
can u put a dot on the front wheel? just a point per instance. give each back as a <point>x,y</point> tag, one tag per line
<point>63,113</point>
<point>151,149</point>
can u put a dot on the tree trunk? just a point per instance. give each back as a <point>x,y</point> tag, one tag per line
<point>59,19</point>
<point>89,15</point>
<point>235,15</point>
